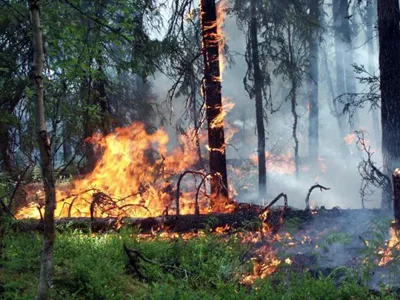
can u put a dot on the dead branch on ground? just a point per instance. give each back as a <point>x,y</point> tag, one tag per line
<point>322,188</point>
<point>135,256</point>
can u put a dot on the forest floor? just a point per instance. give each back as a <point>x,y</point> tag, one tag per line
<point>330,258</point>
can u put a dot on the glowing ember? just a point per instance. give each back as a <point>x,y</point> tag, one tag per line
<point>134,177</point>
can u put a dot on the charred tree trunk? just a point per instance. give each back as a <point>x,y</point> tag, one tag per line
<point>258,83</point>
<point>313,126</point>
<point>389,64</point>
<point>213,100</point>
<point>46,261</point>
<point>339,7</point>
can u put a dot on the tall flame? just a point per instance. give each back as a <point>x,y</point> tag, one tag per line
<point>136,174</point>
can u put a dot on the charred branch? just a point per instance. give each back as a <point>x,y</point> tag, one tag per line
<point>322,188</point>
<point>371,175</point>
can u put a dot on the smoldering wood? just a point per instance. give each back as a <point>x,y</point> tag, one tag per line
<point>246,217</point>
<point>213,98</point>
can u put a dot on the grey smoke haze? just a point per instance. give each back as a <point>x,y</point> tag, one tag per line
<point>341,175</point>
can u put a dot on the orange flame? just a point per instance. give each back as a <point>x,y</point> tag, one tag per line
<point>135,174</point>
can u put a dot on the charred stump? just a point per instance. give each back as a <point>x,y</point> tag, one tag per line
<point>396,197</point>
<point>213,99</point>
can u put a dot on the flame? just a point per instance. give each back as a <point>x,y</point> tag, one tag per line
<point>134,177</point>
<point>281,164</point>
<point>218,121</point>
<point>219,37</point>
<point>222,8</point>
<point>391,245</point>
<point>350,138</point>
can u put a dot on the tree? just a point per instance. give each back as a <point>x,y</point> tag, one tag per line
<point>254,64</point>
<point>370,20</point>
<point>389,65</point>
<point>249,16</point>
<point>213,101</point>
<point>46,156</point>
<point>313,128</point>
<point>339,14</point>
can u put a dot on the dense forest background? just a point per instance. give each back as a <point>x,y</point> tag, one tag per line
<point>171,125</point>
<point>110,63</point>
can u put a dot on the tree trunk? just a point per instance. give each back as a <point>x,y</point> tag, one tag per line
<point>5,157</point>
<point>67,147</point>
<point>46,261</point>
<point>313,125</point>
<point>196,117</point>
<point>370,21</point>
<point>293,100</point>
<point>213,100</point>
<point>339,7</point>
<point>389,64</point>
<point>348,59</point>
<point>258,82</point>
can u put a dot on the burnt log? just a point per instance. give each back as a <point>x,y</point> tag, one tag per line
<point>245,217</point>
<point>396,197</point>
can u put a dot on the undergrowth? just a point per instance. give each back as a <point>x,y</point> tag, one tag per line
<point>207,267</point>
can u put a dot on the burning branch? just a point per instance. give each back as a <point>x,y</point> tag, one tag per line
<point>178,187</point>
<point>281,195</point>
<point>106,204</point>
<point>322,188</point>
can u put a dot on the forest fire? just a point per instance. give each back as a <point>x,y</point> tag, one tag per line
<point>136,171</point>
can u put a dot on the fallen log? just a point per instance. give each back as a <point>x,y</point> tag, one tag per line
<point>245,217</point>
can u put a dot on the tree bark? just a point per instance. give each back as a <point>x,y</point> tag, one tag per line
<point>370,20</point>
<point>389,65</point>
<point>293,101</point>
<point>258,82</point>
<point>339,7</point>
<point>46,261</point>
<point>213,100</point>
<point>313,125</point>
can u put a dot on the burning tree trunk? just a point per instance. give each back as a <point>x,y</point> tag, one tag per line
<point>313,146</point>
<point>389,64</point>
<point>213,100</point>
<point>258,82</point>
<point>46,262</point>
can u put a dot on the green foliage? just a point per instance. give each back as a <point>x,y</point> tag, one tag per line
<point>208,267</point>
<point>334,238</point>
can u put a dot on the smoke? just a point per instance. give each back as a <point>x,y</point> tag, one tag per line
<point>335,171</point>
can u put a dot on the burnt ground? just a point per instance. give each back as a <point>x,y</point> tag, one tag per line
<point>335,244</point>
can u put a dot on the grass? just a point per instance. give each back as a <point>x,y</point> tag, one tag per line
<point>206,267</point>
